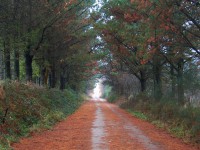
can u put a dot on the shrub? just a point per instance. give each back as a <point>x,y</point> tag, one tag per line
<point>106,91</point>
<point>138,114</point>
<point>28,108</point>
<point>182,122</point>
<point>112,97</point>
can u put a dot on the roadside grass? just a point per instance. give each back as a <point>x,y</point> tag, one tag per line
<point>26,109</point>
<point>181,122</point>
<point>112,97</point>
<point>137,114</point>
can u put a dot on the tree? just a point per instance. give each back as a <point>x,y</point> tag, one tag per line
<point>150,37</point>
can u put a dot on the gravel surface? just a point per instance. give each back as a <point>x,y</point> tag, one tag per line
<point>98,125</point>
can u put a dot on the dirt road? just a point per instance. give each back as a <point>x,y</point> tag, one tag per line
<point>102,126</point>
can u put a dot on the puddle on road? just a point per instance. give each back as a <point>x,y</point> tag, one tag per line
<point>98,132</point>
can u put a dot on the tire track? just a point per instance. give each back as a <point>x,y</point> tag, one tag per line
<point>98,130</point>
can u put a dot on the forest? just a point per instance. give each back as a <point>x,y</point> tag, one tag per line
<point>145,51</point>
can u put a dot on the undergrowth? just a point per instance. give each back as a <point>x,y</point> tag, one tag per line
<point>182,122</point>
<point>138,114</point>
<point>112,98</point>
<point>25,109</point>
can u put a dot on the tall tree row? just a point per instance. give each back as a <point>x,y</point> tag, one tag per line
<point>157,41</point>
<point>42,41</point>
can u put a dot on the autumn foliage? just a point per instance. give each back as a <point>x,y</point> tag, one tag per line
<point>150,36</point>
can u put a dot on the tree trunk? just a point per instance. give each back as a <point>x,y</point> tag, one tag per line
<point>157,78</point>
<point>180,82</point>
<point>46,76</point>
<point>143,81</point>
<point>5,115</point>
<point>7,60</point>
<point>28,65</point>
<point>27,55</point>
<point>42,76</point>
<point>1,65</point>
<point>172,82</point>
<point>50,80</point>
<point>16,65</point>
<point>62,82</point>
<point>53,78</point>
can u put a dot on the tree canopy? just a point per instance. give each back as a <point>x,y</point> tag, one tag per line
<point>66,42</point>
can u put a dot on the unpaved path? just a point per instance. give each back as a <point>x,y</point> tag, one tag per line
<point>102,126</point>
